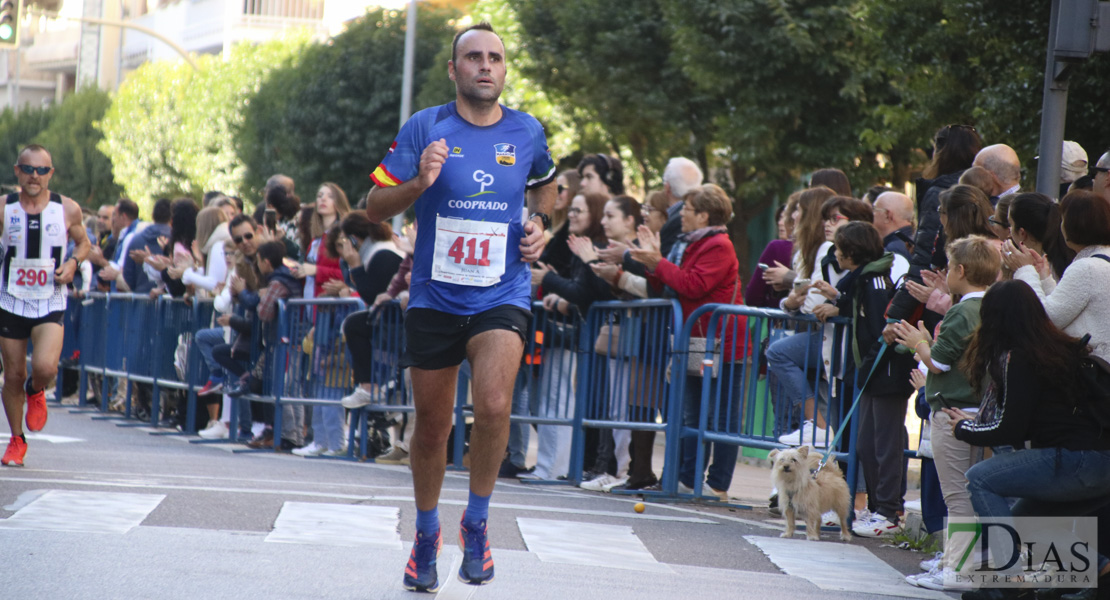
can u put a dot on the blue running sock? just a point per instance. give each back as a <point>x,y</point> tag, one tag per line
<point>477,508</point>
<point>427,521</point>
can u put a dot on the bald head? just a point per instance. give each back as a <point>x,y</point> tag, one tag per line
<point>279,180</point>
<point>1101,183</point>
<point>893,211</point>
<point>1003,164</point>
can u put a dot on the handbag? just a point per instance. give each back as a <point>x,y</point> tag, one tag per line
<point>608,339</point>
<point>698,346</point>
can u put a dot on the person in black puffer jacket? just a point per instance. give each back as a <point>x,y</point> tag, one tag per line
<point>955,150</point>
<point>862,295</point>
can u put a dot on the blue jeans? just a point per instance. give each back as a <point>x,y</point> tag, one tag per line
<point>789,359</point>
<point>727,420</point>
<point>519,432</point>
<point>1047,482</point>
<point>327,427</point>
<point>206,340</point>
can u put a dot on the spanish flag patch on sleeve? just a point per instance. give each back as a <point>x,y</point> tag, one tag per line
<point>383,178</point>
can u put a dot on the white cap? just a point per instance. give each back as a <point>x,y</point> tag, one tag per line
<point>1073,162</point>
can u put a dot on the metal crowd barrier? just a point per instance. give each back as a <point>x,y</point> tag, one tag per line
<point>738,402</point>
<point>636,381</point>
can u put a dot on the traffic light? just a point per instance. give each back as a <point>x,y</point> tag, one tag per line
<point>9,23</point>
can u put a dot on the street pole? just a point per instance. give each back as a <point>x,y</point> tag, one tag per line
<point>1053,114</point>
<point>406,83</point>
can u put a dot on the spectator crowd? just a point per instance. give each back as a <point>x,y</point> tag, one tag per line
<point>972,303</point>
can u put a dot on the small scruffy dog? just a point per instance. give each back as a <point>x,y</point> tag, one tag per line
<point>801,493</point>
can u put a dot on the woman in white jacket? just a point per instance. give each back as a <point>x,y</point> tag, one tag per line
<point>1079,304</point>
<point>208,249</point>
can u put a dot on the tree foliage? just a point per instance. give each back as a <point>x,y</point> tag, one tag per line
<point>67,130</point>
<point>973,62</point>
<point>170,128</point>
<point>332,114</point>
<point>84,173</point>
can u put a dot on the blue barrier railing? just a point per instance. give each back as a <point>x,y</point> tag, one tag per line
<point>636,381</point>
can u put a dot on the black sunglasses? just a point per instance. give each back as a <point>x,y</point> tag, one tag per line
<point>1101,169</point>
<point>28,169</point>
<point>246,236</point>
<point>998,223</point>
<point>562,188</point>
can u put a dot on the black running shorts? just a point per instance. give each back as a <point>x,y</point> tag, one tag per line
<point>15,327</point>
<point>437,340</point>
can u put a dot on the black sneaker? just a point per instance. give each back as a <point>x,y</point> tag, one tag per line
<point>510,471</point>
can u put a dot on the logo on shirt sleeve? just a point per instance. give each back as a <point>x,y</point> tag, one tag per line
<point>505,153</point>
<point>392,146</point>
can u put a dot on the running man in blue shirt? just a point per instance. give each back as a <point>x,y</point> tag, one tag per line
<point>469,167</point>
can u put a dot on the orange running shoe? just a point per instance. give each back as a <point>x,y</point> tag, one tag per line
<point>36,410</point>
<point>13,456</point>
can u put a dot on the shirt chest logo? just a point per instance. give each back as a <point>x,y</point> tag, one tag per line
<point>505,154</point>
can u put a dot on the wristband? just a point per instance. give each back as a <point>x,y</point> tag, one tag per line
<point>919,342</point>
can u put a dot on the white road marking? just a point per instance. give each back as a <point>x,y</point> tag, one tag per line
<point>94,512</point>
<point>839,567</point>
<point>450,588</point>
<point>337,525</point>
<point>364,498</point>
<point>590,544</point>
<point>43,437</point>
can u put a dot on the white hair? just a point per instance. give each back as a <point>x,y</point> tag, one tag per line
<point>683,175</point>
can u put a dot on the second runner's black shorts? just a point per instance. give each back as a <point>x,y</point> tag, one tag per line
<point>437,340</point>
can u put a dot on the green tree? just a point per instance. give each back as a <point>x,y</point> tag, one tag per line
<point>332,114</point>
<point>170,128</point>
<point>16,131</point>
<point>84,172</point>
<point>974,62</point>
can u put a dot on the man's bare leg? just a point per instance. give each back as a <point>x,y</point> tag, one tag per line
<point>494,359</point>
<point>433,395</point>
<point>47,340</point>
<point>14,355</point>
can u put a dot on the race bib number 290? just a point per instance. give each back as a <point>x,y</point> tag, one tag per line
<point>31,278</point>
<point>469,252</point>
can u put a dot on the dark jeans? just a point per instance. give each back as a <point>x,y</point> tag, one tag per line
<point>236,364</point>
<point>357,331</point>
<point>882,439</point>
<point>726,419</point>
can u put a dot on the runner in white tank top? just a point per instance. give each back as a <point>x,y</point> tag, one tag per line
<point>37,226</point>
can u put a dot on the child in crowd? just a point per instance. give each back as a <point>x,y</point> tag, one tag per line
<point>863,295</point>
<point>973,265</point>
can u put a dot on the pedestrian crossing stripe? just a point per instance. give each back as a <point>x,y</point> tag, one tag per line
<point>588,544</point>
<point>87,512</point>
<point>337,525</point>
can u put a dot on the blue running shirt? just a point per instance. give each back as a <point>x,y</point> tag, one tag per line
<point>471,221</point>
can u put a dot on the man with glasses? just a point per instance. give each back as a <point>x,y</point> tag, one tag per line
<point>38,225</point>
<point>470,169</point>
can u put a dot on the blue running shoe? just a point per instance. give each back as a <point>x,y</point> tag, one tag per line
<point>420,573</point>
<point>477,563</point>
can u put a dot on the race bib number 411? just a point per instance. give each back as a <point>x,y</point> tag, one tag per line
<point>469,252</point>
<point>31,278</point>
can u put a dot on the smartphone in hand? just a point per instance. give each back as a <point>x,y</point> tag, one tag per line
<point>942,400</point>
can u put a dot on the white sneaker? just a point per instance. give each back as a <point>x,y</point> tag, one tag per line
<point>706,492</point>
<point>598,483</point>
<point>931,563</point>
<point>876,526</point>
<point>310,450</point>
<point>863,514</point>
<point>830,519</point>
<point>805,435</point>
<point>342,451</point>
<point>941,580</point>
<point>396,456</point>
<point>616,481</point>
<point>358,398</point>
<point>216,430</point>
